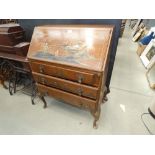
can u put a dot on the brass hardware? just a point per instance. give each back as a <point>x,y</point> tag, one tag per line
<point>41,69</point>
<point>55,83</point>
<point>42,80</point>
<point>80,78</point>
<point>80,91</point>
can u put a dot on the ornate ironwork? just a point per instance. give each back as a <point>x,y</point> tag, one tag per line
<point>14,74</point>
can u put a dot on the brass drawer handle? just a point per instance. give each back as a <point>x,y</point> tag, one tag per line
<point>41,69</point>
<point>80,92</point>
<point>53,84</point>
<point>42,80</point>
<point>80,78</point>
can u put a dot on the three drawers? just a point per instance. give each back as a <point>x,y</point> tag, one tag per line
<point>74,86</point>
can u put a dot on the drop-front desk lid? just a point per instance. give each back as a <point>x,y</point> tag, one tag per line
<point>84,46</point>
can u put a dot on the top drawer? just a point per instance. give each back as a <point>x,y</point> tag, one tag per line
<point>65,73</point>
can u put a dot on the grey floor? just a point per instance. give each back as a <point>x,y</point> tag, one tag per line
<point>130,96</point>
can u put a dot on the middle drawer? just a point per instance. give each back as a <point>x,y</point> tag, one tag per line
<point>66,85</point>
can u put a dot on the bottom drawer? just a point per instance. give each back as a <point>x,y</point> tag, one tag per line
<point>67,97</point>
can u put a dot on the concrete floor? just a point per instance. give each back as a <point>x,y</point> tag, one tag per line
<point>130,96</point>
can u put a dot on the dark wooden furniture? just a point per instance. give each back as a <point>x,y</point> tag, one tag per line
<point>13,52</point>
<point>12,39</point>
<point>70,63</point>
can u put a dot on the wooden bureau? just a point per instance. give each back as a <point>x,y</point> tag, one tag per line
<point>70,63</point>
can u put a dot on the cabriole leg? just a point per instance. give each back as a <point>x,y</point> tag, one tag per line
<point>96,115</point>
